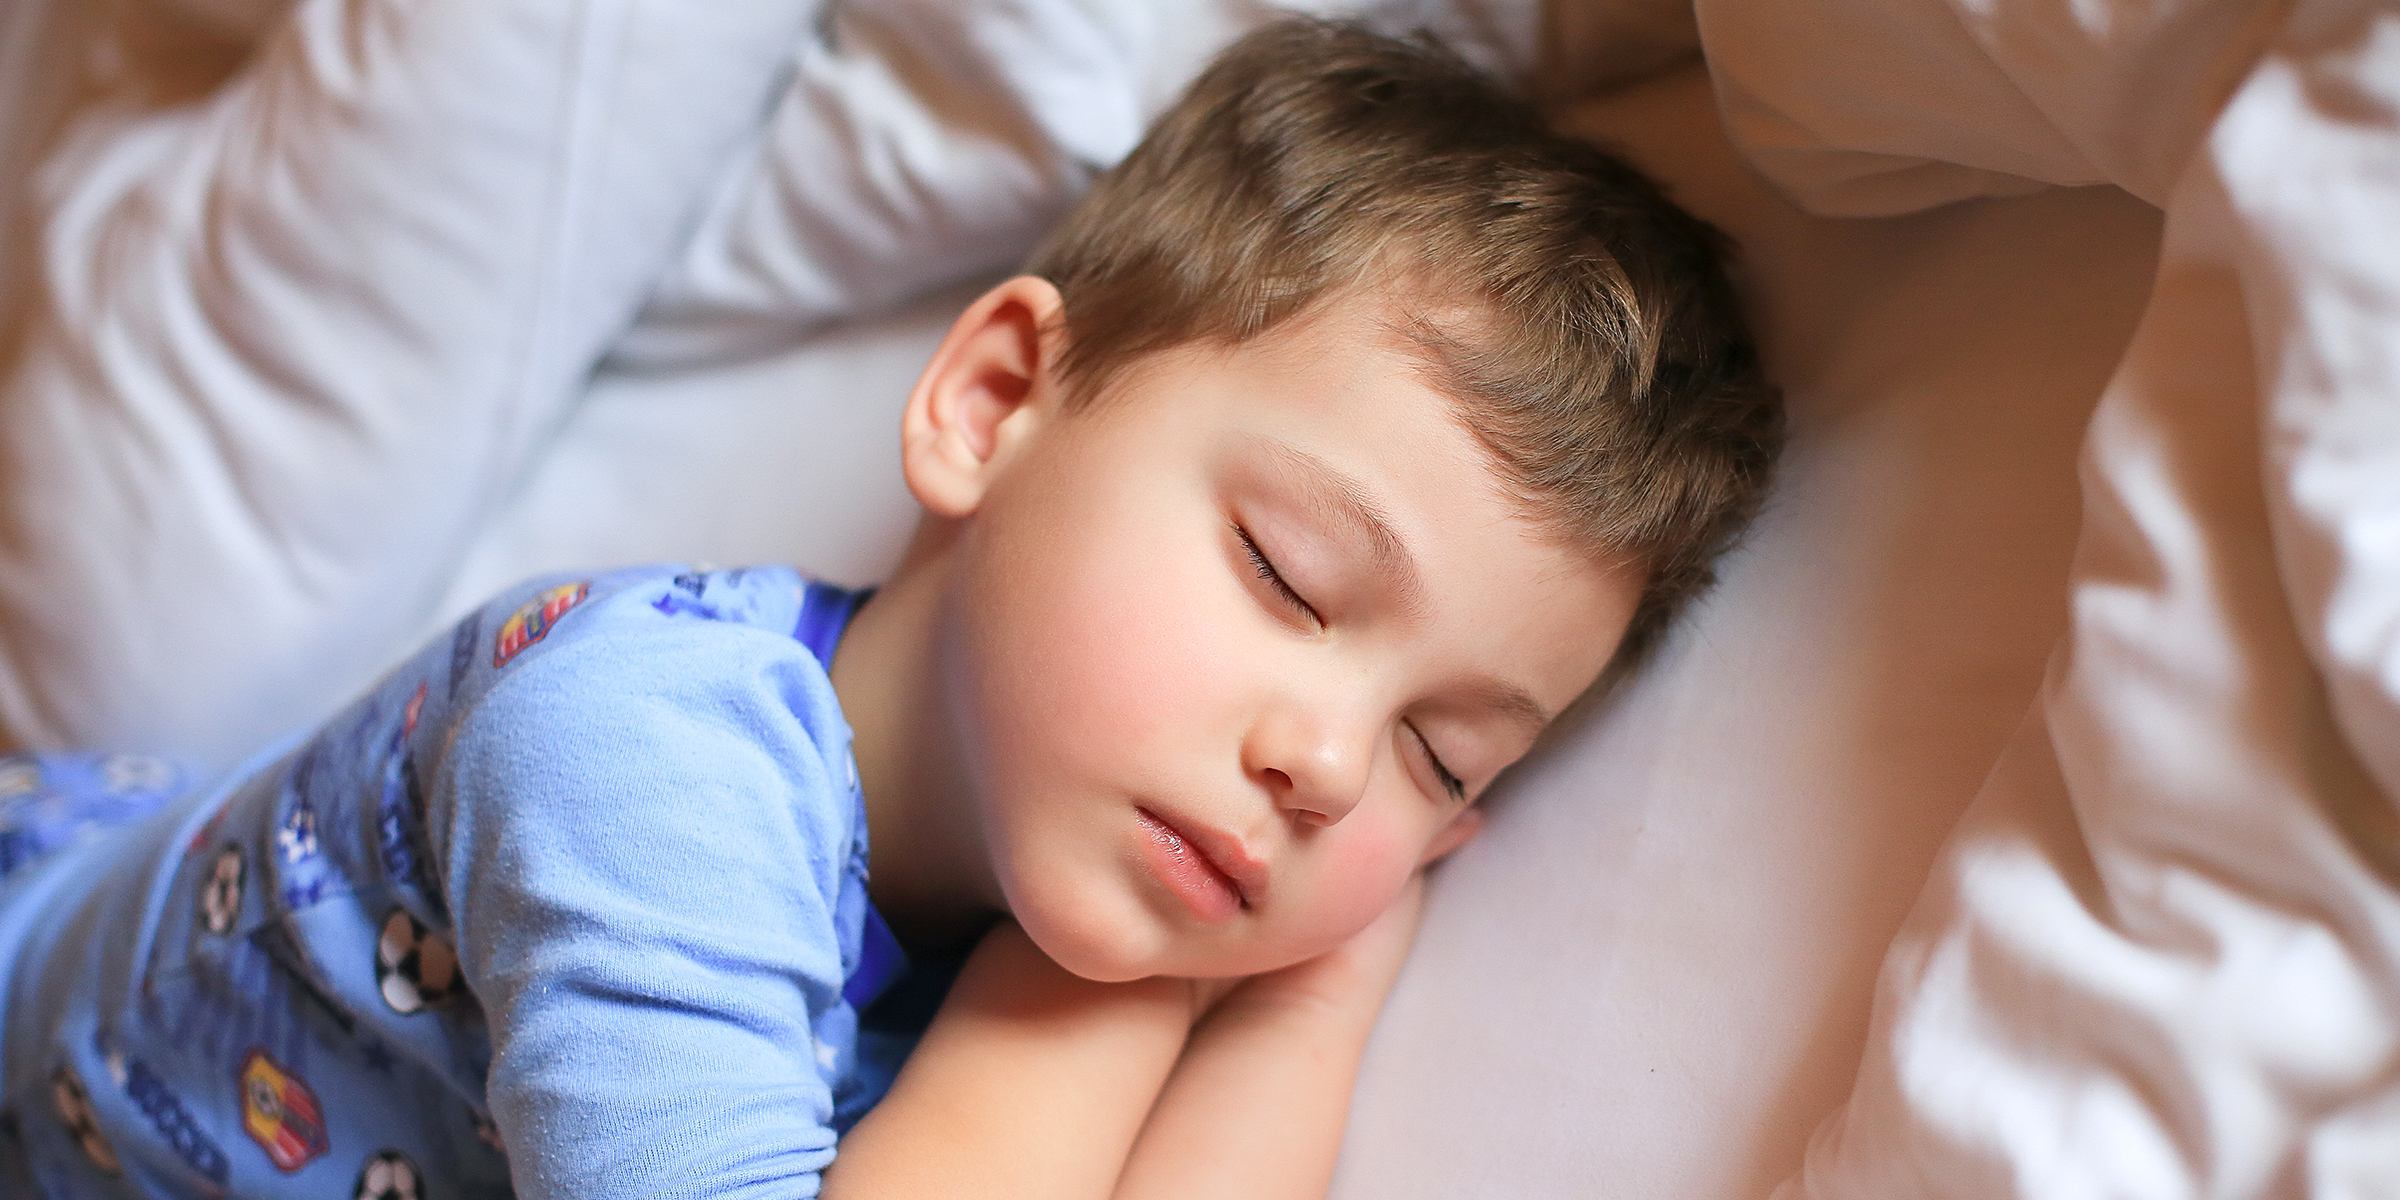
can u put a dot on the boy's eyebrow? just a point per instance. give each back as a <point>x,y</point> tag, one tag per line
<point>1343,502</point>
<point>1512,703</point>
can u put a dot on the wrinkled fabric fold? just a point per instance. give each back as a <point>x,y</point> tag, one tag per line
<point>2161,954</point>
<point>299,337</point>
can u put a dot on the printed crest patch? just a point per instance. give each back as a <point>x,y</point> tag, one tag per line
<point>527,625</point>
<point>296,838</point>
<point>280,1113</point>
<point>396,818</point>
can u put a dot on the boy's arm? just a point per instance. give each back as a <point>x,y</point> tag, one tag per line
<point>1033,1082</point>
<point>1255,1109</point>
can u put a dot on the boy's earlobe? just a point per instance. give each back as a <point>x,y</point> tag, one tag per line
<point>985,389</point>
<point>1463,827</point>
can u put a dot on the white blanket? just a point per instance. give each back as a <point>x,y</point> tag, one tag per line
<point>2161,956</point>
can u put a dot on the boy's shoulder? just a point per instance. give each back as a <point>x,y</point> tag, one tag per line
<point>596,690</point>
<point>522,623</point>
<point>620,633</point>
<point>659,722</point>
<point>640,652</point>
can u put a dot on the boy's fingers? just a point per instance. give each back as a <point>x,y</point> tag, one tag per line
<point>1361,968</point>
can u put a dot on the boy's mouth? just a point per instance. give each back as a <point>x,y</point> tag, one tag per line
<point>1212,873</point>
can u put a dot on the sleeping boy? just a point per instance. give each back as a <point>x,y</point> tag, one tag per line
<point>1345,434</point>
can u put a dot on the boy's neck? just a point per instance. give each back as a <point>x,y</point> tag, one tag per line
<point>927,871</point>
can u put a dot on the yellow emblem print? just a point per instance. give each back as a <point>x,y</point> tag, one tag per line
<point>280,1113</point>
<point>527,625</point>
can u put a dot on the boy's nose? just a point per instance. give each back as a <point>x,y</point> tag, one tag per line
<point>1315,770</point>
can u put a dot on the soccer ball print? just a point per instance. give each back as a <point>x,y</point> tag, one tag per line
<point>75,1112</point>
<point>221,892</point>
<point>414,967</point>
<point>387,1176</point>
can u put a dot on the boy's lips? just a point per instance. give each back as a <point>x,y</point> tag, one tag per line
<point>1210,871</point>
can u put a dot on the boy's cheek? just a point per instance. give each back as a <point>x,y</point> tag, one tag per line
<point>1359,877</point>
<point>1089,631</point>
<point>1148,652</point>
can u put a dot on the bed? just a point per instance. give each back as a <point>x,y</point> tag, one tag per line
<point>2014,819</point>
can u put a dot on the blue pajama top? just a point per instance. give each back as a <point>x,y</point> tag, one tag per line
<point>576,898</point>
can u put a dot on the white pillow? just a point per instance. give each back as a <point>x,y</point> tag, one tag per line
<point>924,142</point>
<point>297,339</point>
<point>1650,976</point>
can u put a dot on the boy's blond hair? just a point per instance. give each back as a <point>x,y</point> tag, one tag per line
<point>1583,323</point>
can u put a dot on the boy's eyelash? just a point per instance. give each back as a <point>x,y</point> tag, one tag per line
<point>1266,570</point>
<point>1450,783</point>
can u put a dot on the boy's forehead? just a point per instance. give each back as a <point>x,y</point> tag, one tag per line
<point>1343,375</point>
<point>1321,394</point>
<point>1360,344</point>
<point>1402,348</point>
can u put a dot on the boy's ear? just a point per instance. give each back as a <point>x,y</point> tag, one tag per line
<point>985,389</point>
<point>1463,826</point>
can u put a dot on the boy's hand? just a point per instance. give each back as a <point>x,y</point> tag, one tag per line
<point>1031,1082</point>
<point>1269,1069</point>
<point>1358,971</point>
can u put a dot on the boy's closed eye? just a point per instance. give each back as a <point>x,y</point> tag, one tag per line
<point>1272,577</point>
<point>1290,598</point>
<point>1451,785</point>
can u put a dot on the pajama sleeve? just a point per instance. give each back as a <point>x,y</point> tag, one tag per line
<point>643,836</point>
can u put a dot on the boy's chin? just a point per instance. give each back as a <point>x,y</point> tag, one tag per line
<point>1140,953</point>
<point>1096,940</point>
<point>1091,953</point>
